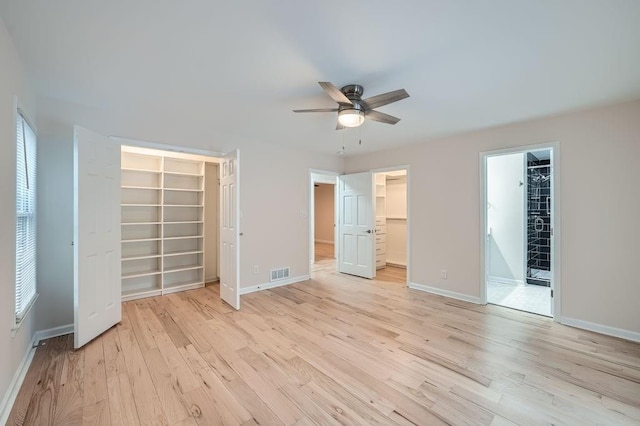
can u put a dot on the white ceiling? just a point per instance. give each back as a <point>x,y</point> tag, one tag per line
<point>234,70</point>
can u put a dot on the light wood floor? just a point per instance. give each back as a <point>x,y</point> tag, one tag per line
<point>325,262</point>
<point>335,349</point>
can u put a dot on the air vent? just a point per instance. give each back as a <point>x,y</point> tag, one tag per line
<point>280,274</point>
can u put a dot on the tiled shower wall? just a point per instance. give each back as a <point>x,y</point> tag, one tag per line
<point>538,219</point>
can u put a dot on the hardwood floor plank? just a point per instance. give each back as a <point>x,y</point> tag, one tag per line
<point>144,393</point>
<point>68,410</point>
<point>95,376</point>
<point>122,407</point>
<point>333,349</point>
<point>167,387</point>
<point>96,414</point>
<point>41,409</point>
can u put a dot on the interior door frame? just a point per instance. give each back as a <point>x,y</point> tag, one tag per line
<point>331,178</point>
<point>407,168</point>
<point>556,240</point>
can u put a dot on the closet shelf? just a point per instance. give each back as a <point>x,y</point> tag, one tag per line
<point>155,188</point>
<point>396,218</point>
<point>183,205</point>
<point>137,293</point>
<point>183,189</point>
<point>139,240</point>
<point>139,223</point>
<point>182,253</point>
<point>141,205</point>
<point>183,237</point>
<point>141,274</point>
<point>148,256</point>
<point>182,174</point>
<point>130,169</point>
<point>192,283</point>
<point>182,222</point>
<point>183,268</point>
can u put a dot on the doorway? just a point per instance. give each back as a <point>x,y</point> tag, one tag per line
<point>519,249</point>
<point>391,224</point>
<point>324,221</point>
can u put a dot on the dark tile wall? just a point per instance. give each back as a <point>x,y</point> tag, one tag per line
<point>538,218</point>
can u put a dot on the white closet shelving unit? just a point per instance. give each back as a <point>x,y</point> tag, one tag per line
<point>162,224</point>
<point>381,220</point>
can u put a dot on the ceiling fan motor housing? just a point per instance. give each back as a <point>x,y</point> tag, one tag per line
<point>354,93</point>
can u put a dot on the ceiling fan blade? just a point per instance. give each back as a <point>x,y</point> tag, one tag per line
<point>381,117</point>
<point>339,126</point>
<point>335,93</point>
<point>317,110</point>
<point>384,99</point>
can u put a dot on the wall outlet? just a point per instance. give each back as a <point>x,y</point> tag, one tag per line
<point>256,269</point>
<point>443,274</point>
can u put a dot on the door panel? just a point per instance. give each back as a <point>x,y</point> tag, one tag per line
<point>229,233</point>
<point>356,228</point>
<point>97,278</point>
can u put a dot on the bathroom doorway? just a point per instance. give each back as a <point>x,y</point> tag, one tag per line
<point>519,232</point>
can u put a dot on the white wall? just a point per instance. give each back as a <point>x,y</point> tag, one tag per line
<point>324,213</point>
<point>12,83</point>
<point>396,220</point>
<point>600,205</point>
<point>505,217</point>
<point>211,223</point>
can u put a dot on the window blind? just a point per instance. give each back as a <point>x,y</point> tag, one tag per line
<point>25,217</point>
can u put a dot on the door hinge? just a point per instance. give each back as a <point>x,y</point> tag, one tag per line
<point>551,293</point>
<point>552,232</point>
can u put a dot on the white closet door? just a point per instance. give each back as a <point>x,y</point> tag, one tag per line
<point>356,225</point>
<point>229,233</point>
<point>96,278</point>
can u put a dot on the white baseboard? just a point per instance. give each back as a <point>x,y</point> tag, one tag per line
<point>267,286</point>
<point>211,279</point>
<point>503,280</point>
<point>324,241</point>
<point>602,329</point>
<point>446,293</point>
<point>16,382</point>
<point>52,332</point>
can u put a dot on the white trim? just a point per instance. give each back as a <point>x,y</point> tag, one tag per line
<point>267,286</point>
<point>446,293</point>
<point>52,332</point>
<point>402,265</point>
<point>16,383</point>
<point>503,280</point>
<point>324,241</point>
<point>166,147</point>
<point>18,378</point>
<point>602,329</point>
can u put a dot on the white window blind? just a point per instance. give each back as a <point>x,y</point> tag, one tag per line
<point>25,217</point>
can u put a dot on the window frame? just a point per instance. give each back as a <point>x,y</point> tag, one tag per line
<point>21,118</point>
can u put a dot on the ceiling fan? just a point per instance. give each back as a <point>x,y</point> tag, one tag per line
<point>352,109</point>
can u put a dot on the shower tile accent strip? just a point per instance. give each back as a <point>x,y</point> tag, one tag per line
<point>538,220</point>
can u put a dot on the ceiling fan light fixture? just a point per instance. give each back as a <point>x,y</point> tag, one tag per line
<point>351,117</point>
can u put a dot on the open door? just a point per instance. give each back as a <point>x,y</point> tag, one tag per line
<point>96,277</point>
<point>229,234</point>
<point>356,235</point>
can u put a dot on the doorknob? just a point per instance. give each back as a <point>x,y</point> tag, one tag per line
<point>369,231</point>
